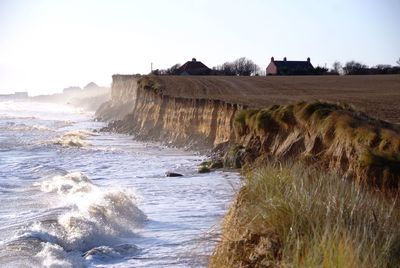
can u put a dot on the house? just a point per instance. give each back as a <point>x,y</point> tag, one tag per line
<point>285,67</point>
<point>194,67</point>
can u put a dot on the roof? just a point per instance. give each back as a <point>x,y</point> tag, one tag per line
<point>194,67</point>
<point>293,67</point>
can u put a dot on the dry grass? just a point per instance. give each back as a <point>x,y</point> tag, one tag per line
<point>295,217</point>
<point>150,83</point>
<point>375,144</point>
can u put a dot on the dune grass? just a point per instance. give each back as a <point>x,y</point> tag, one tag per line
<point>375,143</point>
<point>293,216</point>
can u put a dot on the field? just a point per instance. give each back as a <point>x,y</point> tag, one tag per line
<point>377,95</point>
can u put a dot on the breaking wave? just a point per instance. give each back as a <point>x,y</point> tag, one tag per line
<point>25,127</point>
<point>74,138</point>
<point>92,226</point>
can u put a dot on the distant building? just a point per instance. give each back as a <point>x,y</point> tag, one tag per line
<point>21,95</point>
<point>71,90</point>
<point>16,95</point>
<point>285,67</point>
<point>91,85</point>
<point>194,67</point>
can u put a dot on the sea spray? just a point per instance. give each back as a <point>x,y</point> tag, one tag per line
<point>74,139</point>
<point>43,227</point>
<point>12,126</point>
<point>95,222</point>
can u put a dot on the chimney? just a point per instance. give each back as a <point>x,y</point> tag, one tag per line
<point>272,59</point>
<point>284,59</point>
<point>308,59</point>
<point>193,59</point>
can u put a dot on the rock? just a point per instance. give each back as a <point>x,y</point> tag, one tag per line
<point>205,163</point>
<point>216,164</point>
<point>203,169</point>
<point>234,156</point>
<point>172,174</point>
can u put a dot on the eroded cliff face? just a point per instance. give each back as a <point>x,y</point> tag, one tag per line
<point>150,114</point>
<point>123,97</point>
<point>332,137</point>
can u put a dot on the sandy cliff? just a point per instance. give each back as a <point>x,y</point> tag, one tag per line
<point>199,110</point>
<point>204,112</point>
<point>176,111</point>
<point>123,96</point>
<point>144,110</point>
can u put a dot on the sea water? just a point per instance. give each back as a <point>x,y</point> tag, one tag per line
<point>74,197</point>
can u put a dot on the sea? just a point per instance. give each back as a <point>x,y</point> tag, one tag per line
<point>71,196</point>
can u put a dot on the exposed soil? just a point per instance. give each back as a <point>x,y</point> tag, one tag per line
<point>378,95</point>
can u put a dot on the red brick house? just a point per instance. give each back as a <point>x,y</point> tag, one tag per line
<point>285,67</point>
<point>194,67</point>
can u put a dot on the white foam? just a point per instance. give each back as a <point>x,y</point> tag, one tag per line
<point>104,253</point>
<point>26,127</point>
<point>68,184</point>
<point>55,256</point>
<point>97,217</point>
<point>74,138</point>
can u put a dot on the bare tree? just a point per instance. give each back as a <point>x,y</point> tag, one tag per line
<point>241,66</point>
<point>337,67</point>
<point>244,66</point>
<point>398,61</point>
<point>353,67</point>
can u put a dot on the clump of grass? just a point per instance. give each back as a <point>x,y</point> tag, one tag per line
<point>233,157</point>
<point>242,121</point>
<point>293,216</point>
<point>386,164</point>
<point>266,122</point>
<point>339,127</point>
<point>317,109</point>
<point>150,83</point>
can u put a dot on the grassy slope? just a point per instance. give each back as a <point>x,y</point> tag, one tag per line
<point>331,135</point>
<point>306,214</point>
<point>295,217</point>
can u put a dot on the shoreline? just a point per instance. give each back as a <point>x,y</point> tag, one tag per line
<point>335,137</point>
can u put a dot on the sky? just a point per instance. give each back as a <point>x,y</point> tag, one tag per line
<point>47,45</point>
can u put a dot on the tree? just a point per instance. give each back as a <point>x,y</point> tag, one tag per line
<point>244,66</point>
<point>241,66</point>
<point>173,70</point>
<point>353,67</point>
<point>227,68</point>
<point>155,72</point>
<point>320,70</point>
<point>337,67</point>
<point>398,61</point>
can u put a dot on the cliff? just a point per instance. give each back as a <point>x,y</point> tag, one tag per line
<point>331,136</point>
<point>142,108</point>
<point>198,111</point>
<point>306,215</point>
<point>123,96</point>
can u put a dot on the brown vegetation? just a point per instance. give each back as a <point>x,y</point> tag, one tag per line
<point>289,216</point>
<point>334,137</point>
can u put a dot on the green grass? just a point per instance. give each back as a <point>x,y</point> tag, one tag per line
<point>293,216</point>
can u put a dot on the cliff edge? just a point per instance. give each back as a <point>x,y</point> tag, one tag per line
<point>319,212</point>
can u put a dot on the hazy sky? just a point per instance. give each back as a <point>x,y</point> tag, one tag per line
<point>48,45</point>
